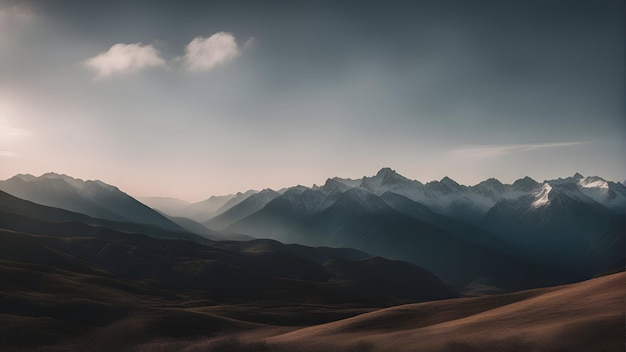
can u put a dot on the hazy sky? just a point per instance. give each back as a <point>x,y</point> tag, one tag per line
<point>188,100</point>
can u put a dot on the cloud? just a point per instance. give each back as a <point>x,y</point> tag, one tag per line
<point>492,151</point>
<point>124,58</point>
<point>203,54</point>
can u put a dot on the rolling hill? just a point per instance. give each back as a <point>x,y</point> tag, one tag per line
<point>586,316</point>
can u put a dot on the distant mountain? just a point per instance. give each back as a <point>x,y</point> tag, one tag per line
<point>390,215</point>
<point>561,224</point>
<point>204,210</point>
<point>248,206</point>
<point>360,219</point>
<point>200,211</point>
<point>458,228</point>
<point>24,216</point>
<point>93,198</point>
<point>167,205</point>
<point>284,213</point>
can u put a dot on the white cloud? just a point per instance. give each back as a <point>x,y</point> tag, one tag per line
<point>124,58</point>
<point>492,151</point>
<point>203,54</point>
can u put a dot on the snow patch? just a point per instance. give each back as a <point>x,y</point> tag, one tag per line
<point>593,182</point>
<point>542,198</point>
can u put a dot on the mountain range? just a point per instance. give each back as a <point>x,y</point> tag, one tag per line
<point>494,235</point>
<point>569,228</point>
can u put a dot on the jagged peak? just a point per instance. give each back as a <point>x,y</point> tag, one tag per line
<point>343,181</point>
<point>578,176</point>
<point>74,182</point>
<point>246,193</point>
<point>386,171</point>
<point>25,177</point>
<point>54,175</point>
<point>542,197</point>
<point>593,182</point>
<point>386,176</point>
<point>449,182</point>
<point>331,181</point>
<point>491,182</point>
<point>267,190</point>
<point>526,179</point>
<point>297,188</point>
<point>526,183</point>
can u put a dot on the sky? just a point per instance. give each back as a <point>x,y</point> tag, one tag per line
<point>190,99</point>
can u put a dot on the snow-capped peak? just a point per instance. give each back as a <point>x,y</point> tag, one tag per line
<point>541,197</point>
<point>593,182</point>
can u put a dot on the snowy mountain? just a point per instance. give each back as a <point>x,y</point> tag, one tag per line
<point>569,228</point>
<point>555,223</point>
<point>93,198</point>
<point>362,220</point>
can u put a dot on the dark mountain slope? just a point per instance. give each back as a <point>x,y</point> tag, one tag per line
<point>20,215</point>
<point>458,228</point>
<point>209,272</point>
<point>93,198</point>
<point>366,222</point>
<point>579,237</point>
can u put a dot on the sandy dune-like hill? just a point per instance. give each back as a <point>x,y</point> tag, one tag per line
<point>586,316</point>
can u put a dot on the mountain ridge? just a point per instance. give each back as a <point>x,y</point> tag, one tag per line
<point>94,198</point>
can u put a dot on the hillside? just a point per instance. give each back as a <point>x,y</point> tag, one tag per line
<point>586,316</point>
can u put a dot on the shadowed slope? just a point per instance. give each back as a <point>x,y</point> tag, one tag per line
<point>93,198</point>
<point>22,215</point>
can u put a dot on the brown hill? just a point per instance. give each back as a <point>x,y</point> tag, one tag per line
<point>586,316</point>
